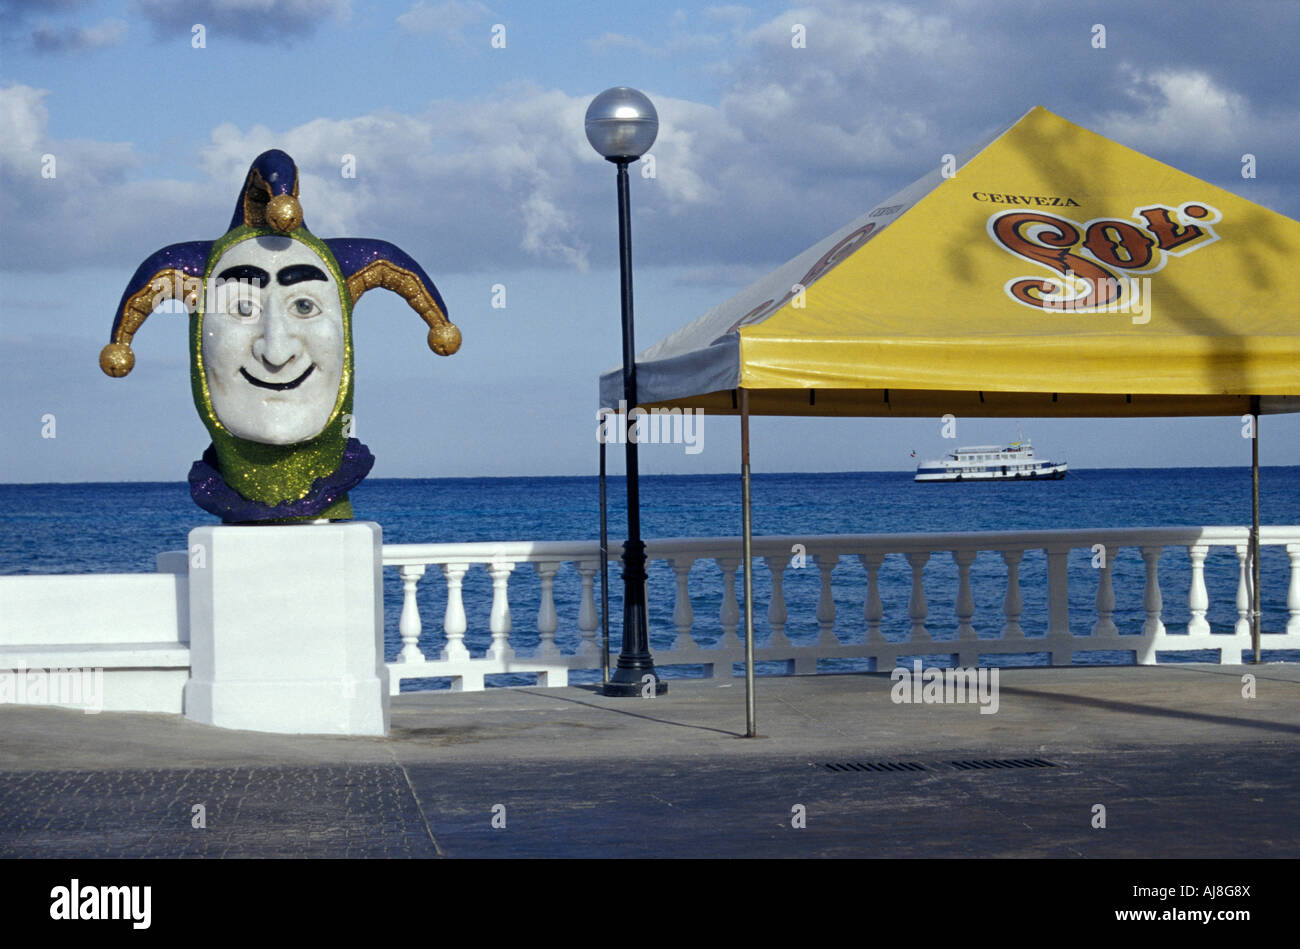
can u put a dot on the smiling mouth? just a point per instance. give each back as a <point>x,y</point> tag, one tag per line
<point>277,386</point>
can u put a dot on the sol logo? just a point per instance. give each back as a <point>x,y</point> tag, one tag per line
<point>1091,260</point>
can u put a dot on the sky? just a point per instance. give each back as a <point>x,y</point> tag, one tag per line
<point>463,121</point>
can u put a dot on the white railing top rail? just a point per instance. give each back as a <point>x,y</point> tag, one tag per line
<point>526,551</point>
<point>509,551</point>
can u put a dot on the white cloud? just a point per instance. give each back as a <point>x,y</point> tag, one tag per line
<point>24,117</point>
<point>48,38</point>
<point>1179,108</point>
<point>496,183</point>
<point>547,231</point>
<point>447,18</point>
<point>60,199</point>
<point>801,141</point>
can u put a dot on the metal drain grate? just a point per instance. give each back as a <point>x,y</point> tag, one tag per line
<point>875,766</point>
<point>996,764</point>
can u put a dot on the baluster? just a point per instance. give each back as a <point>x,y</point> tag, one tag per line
<point>499,623</point>
<point>776,611</point>
<point>683,612</point>
<point>1153,603</point>
<point>1152,599</point>
<point>916,606</point>
<point>1105,625</point>
<point>873,611</point>
<point>1198,599</point>
<point>453,623</point>
<point>1058,605</point>
<point>645,596</point>
<point>1013,603</point>
<point>546,618</point>
<point>409,625</point>
<point>1293,592</point>
<point>1242,628</point>
<point>965,606</point>
<point>588,615</point>
<point>729,614</point>
<point>826,600</point>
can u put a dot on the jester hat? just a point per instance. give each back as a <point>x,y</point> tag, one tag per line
<point>240,479</point>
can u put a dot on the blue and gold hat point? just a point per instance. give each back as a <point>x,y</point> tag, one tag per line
<point>269,199</point>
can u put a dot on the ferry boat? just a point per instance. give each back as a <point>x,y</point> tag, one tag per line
<point>1014,462</point>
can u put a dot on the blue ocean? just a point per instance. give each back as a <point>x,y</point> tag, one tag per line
<point>114,528</point>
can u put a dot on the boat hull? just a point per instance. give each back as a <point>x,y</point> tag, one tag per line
<point>1042,472</point>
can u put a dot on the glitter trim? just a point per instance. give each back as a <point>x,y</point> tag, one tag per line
<point>211,492</point>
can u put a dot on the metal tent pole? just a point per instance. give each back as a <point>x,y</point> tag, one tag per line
<point>604,571</point>
<point>747,528</point>
<point>1254,528</point>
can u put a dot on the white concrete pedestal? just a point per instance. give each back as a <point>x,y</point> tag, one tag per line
<point>287,629</point>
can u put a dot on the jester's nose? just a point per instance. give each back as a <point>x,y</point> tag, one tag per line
<point>284,213</point>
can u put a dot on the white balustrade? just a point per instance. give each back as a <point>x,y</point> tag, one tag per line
<point>499,623</point>
<point>873,609</point>
<point>729,614</point>
<point>1013,603</point>
<point>965,605</point>
<point>916,606</point>
<point>546,618</point>
<point>1105,626</point>
<point>1293,591</point>
<point>1058,604</point>
<point>891,621</point>
<point>825,600</point>
<point>410,626</point>
<point>454,623</point>
<point>683,613</point>
<point>1152,600</point>
<point>1198,600</point>
<point>777,615</point>
<point>588,615</point>
<point>1243,627</point>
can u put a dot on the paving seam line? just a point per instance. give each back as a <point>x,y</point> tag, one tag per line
<point>419,806</point>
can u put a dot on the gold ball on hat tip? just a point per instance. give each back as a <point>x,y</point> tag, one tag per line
<point>116,359</point>
<point>284,213</point>
<point>445,339</point>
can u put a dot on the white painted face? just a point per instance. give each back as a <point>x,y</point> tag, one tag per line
<point>272,341</point>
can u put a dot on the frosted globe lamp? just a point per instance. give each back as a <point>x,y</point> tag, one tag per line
<point>622,124</point>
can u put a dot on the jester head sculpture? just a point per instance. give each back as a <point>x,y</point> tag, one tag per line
<point>270,309</point>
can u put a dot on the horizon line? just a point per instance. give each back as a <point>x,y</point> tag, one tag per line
<point>692,474</point>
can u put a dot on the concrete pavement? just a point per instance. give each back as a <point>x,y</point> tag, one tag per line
<point>1181,763</point>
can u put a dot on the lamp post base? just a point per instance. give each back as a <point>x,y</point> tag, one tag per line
<point>635,674</point>
<point>630,683</point>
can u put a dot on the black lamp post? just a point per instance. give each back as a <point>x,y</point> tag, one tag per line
<point>621,126</point>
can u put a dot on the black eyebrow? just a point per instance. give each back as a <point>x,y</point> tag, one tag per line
<point>245,272</point>
<point>298,273</point>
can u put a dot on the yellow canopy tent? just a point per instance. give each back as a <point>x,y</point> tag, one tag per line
<point>1049,272</point>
